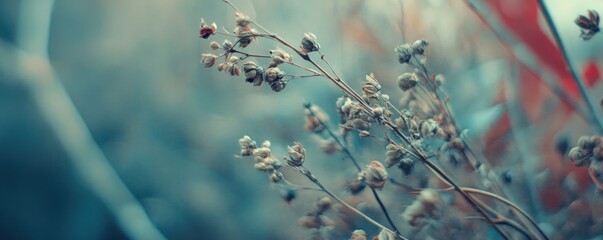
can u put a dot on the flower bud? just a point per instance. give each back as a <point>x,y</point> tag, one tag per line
<point>418,47</point>
<point>227,45</point>
<point>371,88</point>
<point>208,60</point>
<point>579,157</point>
<point>374,175</point>
<point>207,30</point>
<point>241,19</point>
<point>214,45</point>
<point>274,74</point>
<point>358,235</point>
<point>407,81</point>
<point>276,177</point>
<point>253,73</point>
<point>280,56</point>
<point>309,43</point>
<point>247,145</point>
<point>297,154</point>
<point>404,52</point>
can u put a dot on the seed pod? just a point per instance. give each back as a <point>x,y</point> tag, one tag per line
<point>309,43</point>
<point>297,154</point>
<point>278,86</point>
<point>253,73</point>
<point>407,81</point>
<point>358,235</point>
<point>207,30</point>
<point>208,60</point>
<point>418,47</point>
<point>273,74</point>
<point>280,56</point>
<point>247,145</point>
<point>404,52</point>
<point>214,45</point>
<point>374,175</point>
<point>579,157</point>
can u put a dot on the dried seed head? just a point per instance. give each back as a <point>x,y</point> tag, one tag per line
<point>358,235</point>
<point>214,45</point>
<point>264,160</point>
<point>234,70</point>
<point>418,47</point>
<point>247,145</point>
<point>424,206</point>
<point>328,146</point>
<point>278,86</point>
<point>309,43</point>
<point>274,74</point>
<point>374,175</point>
<point>208,60</point>
<point>207,30</point>
<point>579,157</point>
<point>589,25</point>
<point>297,154</point>
<point>246,35</point>
<point>371,88</point>
<point>429,128</point>
<point>266,144</point>
<point>222,66</point>
<point>407,165</point>
<point>364,134</point>
<point>407,81</point>
<point>276,177</point>
<point>386,235</point>
<point>404,52</point>
<point>393,154</point>
<point>356,186</point>
<point>312,119</point>
<point>253,73</point>
<point>323,204</point>
<point>227,45</point>
<point>280,56</point>
<point>586,143</point>
<point>242,20</point>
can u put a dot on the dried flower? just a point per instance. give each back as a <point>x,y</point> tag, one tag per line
<point>264,160</point>
<point>274,74</point>
<point>214,45</point>
<point>276,177</point>
<point>589,25</point>
<point>329,145</point>
<point>207,30</point>
<point>386,235</point>
<point>245,34</point>
<point>280,56</point>
<point>407,81</point>
<point>242,20</point>
<point>371,88</point>
<point>393,154</point>
<point>358,235</point>
<point>253,73</point>
<point>424,206</point>
<point>418,47</point>
<point>208,60</point>
<point>312,119</point>
<point>278,86</point>
<point>374,175</point>
<point>356,186</point>
<point>309,43</point>
<point>429,128</point>
<point>297,154</point>
<point>227,45</point>
<point>247,145</point>
<point>404,52</point>
<point>323,204</point>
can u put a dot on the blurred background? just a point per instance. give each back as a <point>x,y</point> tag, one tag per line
<point>110,128</point>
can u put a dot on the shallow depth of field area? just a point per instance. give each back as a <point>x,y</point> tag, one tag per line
<point>268,119</point>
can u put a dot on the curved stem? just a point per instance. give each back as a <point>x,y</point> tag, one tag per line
<point>312,178</point>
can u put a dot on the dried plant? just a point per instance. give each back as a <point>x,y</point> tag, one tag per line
<point>417,129</point>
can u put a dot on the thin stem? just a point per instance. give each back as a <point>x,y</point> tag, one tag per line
<point>577,78</point>
<point>344,148</point>
<point>312,178</point>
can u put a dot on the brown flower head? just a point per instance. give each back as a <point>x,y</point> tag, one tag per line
<point>589,26</point>
<point>374,175</point>
<point>207,30</point>
<point>297,154</point>
<point>309,43</point>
